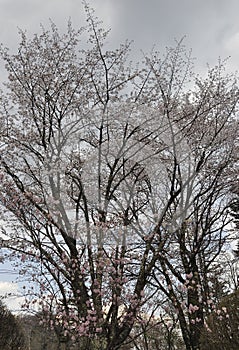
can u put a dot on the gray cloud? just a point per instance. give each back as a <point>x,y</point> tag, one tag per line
<point>209,25</point>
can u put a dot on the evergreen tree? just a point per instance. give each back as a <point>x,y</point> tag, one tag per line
<point>235,215</point>
<point>11,334</point>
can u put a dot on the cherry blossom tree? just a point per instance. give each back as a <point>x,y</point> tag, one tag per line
<point>115,182</point>
<point>222,325</point>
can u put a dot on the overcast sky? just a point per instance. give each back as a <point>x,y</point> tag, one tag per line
<point>211,28</point>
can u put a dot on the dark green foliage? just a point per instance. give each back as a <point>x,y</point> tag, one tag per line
<point>11,333</point>
<point>235,214</point>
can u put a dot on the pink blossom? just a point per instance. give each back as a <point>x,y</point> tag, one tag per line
<point>190,275</point>
<point>97,291</point>
<point>192,308</point>
<point>23,257</point>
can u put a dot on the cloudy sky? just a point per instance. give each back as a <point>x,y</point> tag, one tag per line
<point>211,28</point>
